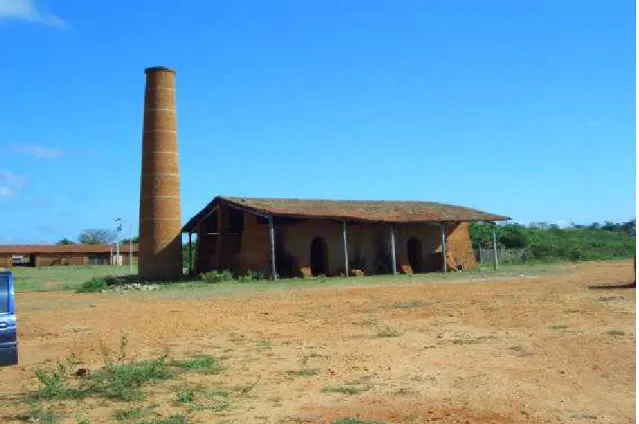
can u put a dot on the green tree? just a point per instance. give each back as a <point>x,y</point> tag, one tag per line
<point>65,241</point>
<point>96,236</point>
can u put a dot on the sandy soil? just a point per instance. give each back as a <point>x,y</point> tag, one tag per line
<point>519,351</point>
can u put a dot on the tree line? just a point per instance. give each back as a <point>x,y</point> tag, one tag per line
<point>547,242</point>
<point>97,236</point>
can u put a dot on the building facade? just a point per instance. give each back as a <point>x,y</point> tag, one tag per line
<point>323,237</point>
<point>71,254</point>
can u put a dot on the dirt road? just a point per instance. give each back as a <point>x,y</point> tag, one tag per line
<point>545,350</point>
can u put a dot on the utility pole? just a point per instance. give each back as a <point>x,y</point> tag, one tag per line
<point>118,228</point>
<point>130,249</point>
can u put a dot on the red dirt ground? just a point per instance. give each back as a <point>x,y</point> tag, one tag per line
<point>519,351</point>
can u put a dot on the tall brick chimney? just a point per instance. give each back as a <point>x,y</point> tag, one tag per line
<point>160,221</point>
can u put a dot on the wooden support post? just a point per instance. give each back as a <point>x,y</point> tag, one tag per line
<point>272,233</point>
<point>443,229</point>
<point>190,255</point>
<point>393,254</point>
<point>495,260</point>
<point>345,247</point>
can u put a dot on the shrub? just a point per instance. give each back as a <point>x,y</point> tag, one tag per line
<point>121,381</point>
<point>94,285</point>
<point>54,384</point>
<point>217,276</point>
<point>205,364</point>
<point>252,276</point>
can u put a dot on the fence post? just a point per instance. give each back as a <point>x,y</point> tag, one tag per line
<point>272,242</point>
<point>495,261</point>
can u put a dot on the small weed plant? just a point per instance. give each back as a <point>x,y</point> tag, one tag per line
<point>120,379</point>
<point>304,372</point>
<point>217,276</point>
<point>346,390</point>
<point>389,332</point>
<point>94,285</point>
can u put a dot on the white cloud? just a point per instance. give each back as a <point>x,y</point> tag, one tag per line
<point>10,183</point>
<point>40,152</point>
<point>5,192</point>
<point>27,10</point>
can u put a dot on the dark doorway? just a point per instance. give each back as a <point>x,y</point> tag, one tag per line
<point>414,247</point>
<point>319,256</point>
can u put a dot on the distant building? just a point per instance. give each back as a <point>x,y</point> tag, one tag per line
<point>299,237</point>
<point>64,254</point>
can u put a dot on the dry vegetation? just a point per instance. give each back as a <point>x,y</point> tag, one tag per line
<point>553,349</point>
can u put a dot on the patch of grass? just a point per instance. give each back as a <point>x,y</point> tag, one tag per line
<point>472,340</point>
<point>133,413</point>
<point>308,356</point>
<point>465,341</point>
<point>582,416</point>
<point>388,332</point>
<point>411,304</point>
<point>41,415</point>
<point>558,327</point>
<point>304,372</point>
<point>616,333</point>
<point>173,419</point>
<point>205,364</point>
<point>349,420</point>
<point>122,381</point>
<point>185,396</point>
<point>218,393</point>
<point>210,405</point>
<point>266,344</point>
<point>196,400</point>
<point>55,278</point>
<point>94,285</point>
<point>347,390</point>
<point>610,298</point>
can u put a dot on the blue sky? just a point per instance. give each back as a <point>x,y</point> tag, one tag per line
<point>524,108</point>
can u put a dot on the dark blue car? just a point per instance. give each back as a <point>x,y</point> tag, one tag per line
<point>8,330</point>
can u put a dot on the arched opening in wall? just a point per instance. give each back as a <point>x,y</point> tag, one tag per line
<point>319,256</point>
<point>415,257</point>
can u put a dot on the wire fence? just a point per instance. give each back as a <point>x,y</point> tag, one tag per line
<point>487,255</point>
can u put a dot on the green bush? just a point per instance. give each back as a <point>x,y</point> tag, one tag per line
<point>121,380</point>
<point>252,276</point>
<point>217,276</point>
<point>54,383</point>
<point>94,285</point>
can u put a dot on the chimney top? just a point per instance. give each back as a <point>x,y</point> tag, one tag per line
<point>158,69</point>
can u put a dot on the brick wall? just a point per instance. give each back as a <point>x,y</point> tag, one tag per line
<point>366,242</point>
